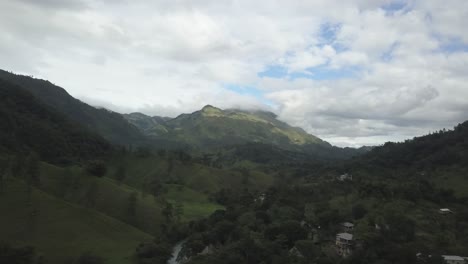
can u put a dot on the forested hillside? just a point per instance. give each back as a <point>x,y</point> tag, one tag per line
<point>29,125</point>
<point>110,125</point>
<point>438,149</point>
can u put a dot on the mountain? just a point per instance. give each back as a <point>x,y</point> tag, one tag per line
<point>108,124</point>
<point>29,125</point>
<point>149,125</point>
<point>213,127</point>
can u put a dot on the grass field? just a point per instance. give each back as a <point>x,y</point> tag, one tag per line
<point>61,231</point>
<point>195,205</point>
<point>112,198</point>
<point>102,194</point>
<point>454,179</point>
<point>201,178</point>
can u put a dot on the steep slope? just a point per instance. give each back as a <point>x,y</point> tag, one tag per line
<point>149,125</point>
<point>61,231</point>
<point>108,124</point>
<point>27,125</point>
<point>213,127</point>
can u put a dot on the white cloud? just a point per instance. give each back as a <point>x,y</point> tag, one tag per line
<point>167,57</point>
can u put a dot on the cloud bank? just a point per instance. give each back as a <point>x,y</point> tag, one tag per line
<point>352,72</point>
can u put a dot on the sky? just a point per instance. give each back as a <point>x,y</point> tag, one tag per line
<point>351,72</point>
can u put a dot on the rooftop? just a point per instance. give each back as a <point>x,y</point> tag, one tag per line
<point>345,236</point>
<point>449,257</point>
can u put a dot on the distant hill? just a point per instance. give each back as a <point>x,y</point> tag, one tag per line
<point>29,125</point>
<point>211,128</point>
<point>439,149</point>
<point>149,125</point>
<point>108,124</point>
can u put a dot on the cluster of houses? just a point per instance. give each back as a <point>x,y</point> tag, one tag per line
<point>344,241</point>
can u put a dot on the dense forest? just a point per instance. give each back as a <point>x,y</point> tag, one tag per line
<point>28,125</point>
<point>108,124</point>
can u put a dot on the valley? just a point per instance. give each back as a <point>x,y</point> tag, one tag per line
<point>86,185</point>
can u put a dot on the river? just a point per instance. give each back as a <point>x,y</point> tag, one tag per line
<point>175,253</point>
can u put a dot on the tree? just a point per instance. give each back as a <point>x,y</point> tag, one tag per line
<point>143,152</point>
<point>4,167</point>
<point>170,165</point>
<point>91,194</point>
<point>24,255</point>
<point>154,252</point>
<point>309,213</point>
<point>32,174</point>
<point>97,168</point>
<point>358,211</point>
<point>65,183</point>
<point>89,258</point>
<point>33,170</point>
<point>167,211</point>
<point>179,210</point>
<point>120,174</point>
<point>18,165</point>
<point>245,176</point>
<point>131,208</point>
<point>155,186</point>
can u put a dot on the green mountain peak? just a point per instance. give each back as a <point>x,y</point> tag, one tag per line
<point>214,127</point>
<point>211,111</point>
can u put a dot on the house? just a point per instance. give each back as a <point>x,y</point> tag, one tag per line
<point>445,211</point>
<point>347,226</point>
<point>344,244</point>
<point>454,259</point>
<point>345,177</point>
<point>260,198</point>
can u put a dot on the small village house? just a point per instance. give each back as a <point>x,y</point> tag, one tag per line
<point>445,211</point>
<point>344,244</point>
<point>455,259</point>
<point>345,177</point>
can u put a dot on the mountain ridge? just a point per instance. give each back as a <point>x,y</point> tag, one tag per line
<point>111,125</point>
<point>220,127</point>
<point>30,125</point>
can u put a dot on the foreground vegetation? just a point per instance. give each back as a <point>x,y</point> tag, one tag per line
<point>61,232</point>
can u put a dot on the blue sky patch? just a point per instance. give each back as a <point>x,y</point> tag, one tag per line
<point>396,6</point>
<point>274,71</point>
<point>453,46</point>
<point>327,36</point>
<point>387,56</point>
<point>248,91</point>
<point>328,32</point>
<point>322,72</point>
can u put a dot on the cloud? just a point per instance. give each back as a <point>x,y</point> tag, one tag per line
<point>352,72</point>
<point>56,4</point>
